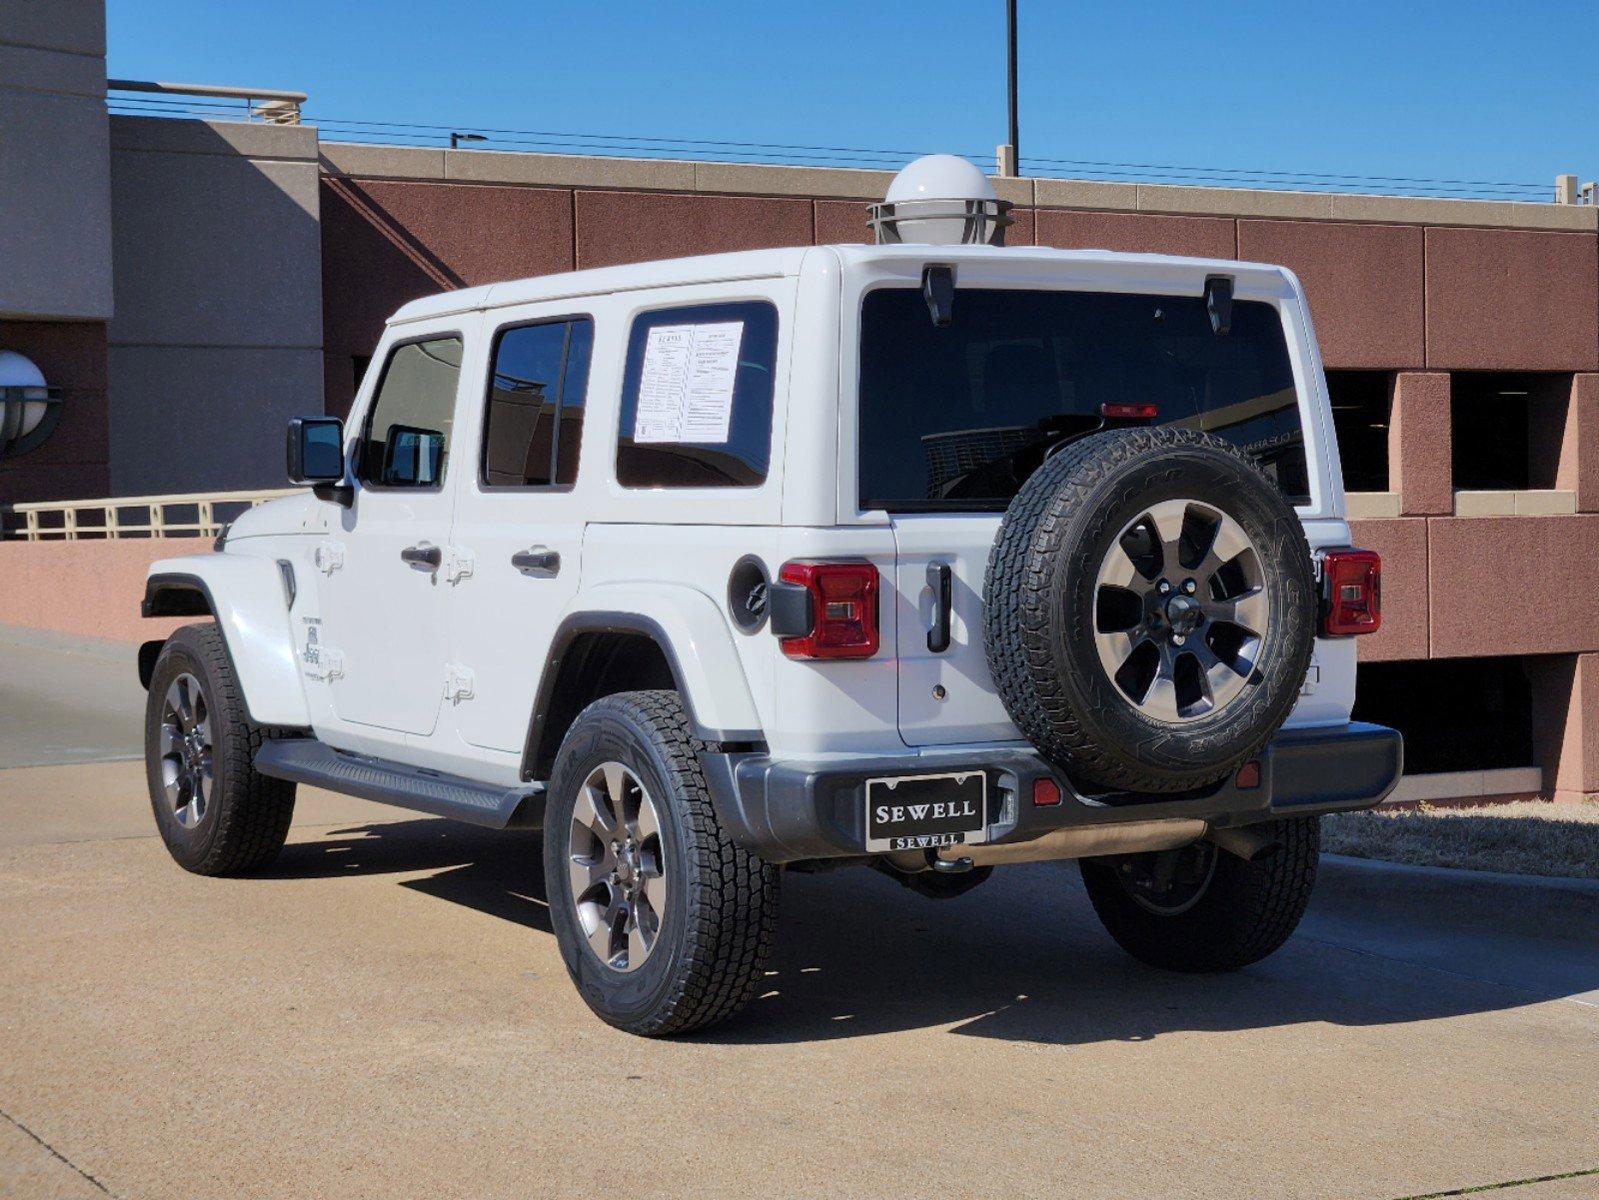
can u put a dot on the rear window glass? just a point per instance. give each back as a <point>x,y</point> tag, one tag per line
<point>697,397</point>
<point>959,417</point>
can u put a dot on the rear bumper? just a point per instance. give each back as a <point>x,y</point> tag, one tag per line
<point>789,811</point>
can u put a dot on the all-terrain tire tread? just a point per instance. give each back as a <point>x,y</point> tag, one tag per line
<point>1249,911</point>
<point>254,810</point>
<point>734,893</point>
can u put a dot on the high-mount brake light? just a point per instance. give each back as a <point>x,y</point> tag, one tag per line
<point>1351,592</point>
<point>843,603</point>
<point>1129,412</point>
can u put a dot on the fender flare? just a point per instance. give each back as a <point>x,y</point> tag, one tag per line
<point>249,597</point>
<point>692,634</point>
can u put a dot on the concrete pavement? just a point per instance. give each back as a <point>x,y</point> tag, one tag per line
<point>385,1014</point>
<point>67,699</point>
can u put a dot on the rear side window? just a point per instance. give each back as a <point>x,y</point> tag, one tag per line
<point>533,427</point>
<point>958,417</point>
<point>697,397</point>
<point>406,440</point>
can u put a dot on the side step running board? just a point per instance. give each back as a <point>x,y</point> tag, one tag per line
<point>306,760</point>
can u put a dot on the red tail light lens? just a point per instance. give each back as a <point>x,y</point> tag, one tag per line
<point>1129,412</point>
<point>1351,592</point>
<point>843,609</point>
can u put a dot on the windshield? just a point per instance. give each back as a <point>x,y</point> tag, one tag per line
<point>958,417</point>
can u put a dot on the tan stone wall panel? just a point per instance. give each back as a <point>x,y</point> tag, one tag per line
<point>1420,446</point>
<point>1141,233</point>
<point>1513,585</point>
<point>1512,300</point>
<point>1403,546</point>
<point>1364,283</point>
<point>625,227</point>
<point>385,242</point>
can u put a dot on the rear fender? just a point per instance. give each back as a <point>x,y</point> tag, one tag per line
<point>694,635</point>
<point>249,597</point>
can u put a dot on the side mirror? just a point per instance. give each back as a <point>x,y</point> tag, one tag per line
<point>316,456</point>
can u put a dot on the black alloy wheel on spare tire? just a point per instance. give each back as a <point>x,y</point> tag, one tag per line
<point>1150,609</point>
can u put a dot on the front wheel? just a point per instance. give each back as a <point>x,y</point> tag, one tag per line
<point>665,924</point>
<point>216,813</point>
<point>1202,908</point>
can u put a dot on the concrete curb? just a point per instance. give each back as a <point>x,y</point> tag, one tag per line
<point>1564,883</point>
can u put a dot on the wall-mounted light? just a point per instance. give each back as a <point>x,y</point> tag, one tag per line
<point>457,138</point>
<point>29,409</point>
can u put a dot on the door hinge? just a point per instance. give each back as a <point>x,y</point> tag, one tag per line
<point>329,557</point>
<point>459,564</point>
<point>457,683</point>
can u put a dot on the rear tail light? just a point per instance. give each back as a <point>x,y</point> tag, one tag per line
<point>843,609</point>
<point>1351,592</point>
<point>1129,412</point>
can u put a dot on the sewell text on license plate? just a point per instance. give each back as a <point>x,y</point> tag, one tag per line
<point>924,812</point>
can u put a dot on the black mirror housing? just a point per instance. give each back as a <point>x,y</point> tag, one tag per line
<point>316,450</point>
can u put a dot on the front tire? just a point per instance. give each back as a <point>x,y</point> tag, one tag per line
<point>664,923</point>
<point>216,813</point>
<point>1202,908</point>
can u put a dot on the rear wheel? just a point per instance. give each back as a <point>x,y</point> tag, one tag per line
<point>216,813</point>
<point>1202,908</point>
<point>664,923</point>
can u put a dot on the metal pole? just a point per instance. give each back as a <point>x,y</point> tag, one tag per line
<point>1010,84</point>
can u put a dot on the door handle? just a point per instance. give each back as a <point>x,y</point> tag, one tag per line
<point>423,555</point>
<point>537,561</point>
<point>939,579</point>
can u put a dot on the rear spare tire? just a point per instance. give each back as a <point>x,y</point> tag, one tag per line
<point>1150,609</point>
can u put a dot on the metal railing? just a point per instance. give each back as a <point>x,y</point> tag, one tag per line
<point>271,105</point>
<point>195,514</point>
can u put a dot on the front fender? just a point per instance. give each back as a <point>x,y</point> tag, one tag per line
<point>694,635</point>
<point>249,596</point>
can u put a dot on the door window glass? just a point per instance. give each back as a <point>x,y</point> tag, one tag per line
<point>406,440</point>
<point>533,429</point>
<point>697,397</point>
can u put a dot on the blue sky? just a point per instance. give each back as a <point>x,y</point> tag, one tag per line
<point>1467,91</point>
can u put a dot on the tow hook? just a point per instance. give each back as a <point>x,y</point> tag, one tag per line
<point>944,866</point>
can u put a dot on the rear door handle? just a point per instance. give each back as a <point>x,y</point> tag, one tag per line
<point>423,555</point>
<point>939,579</point>
<point>537,561</point>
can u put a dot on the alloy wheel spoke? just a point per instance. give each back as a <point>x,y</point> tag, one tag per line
<point>585,873</point>
<point>1247,610</point>
<point>1229,542</point>
<point>655,894</point>
<point>648,823</point>
<point>1120,571</point>
<point>638,946</point>
<point>593,813</point>
<point>1118,647</point>
<point>616,788</point>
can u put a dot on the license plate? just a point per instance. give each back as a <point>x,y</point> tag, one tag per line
<point>925,812</point>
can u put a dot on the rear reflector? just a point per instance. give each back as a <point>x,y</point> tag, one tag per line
<point>843,609</point>
<point>1129,412</point>
<point>1046,793</point>
<point>1351,592</point>
<point>1248,775</point>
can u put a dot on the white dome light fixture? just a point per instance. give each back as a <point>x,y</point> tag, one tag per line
<point>29,410</point>
<point>941,200</point>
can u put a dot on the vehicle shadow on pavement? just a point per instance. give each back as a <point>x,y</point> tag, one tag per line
<point>1023,958</point>
<point>496,872</point>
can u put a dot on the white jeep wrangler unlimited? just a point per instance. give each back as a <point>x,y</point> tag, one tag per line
<point>931,555</point>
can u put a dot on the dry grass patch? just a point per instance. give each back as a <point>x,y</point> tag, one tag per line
<point>1527,838</point>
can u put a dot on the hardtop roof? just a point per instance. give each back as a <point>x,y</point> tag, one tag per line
<point>777,263</point>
